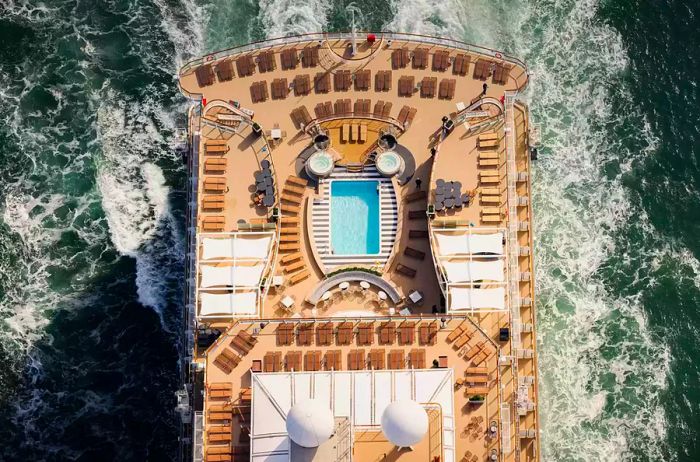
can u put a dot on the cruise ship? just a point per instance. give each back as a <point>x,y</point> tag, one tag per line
<point>360,265</point>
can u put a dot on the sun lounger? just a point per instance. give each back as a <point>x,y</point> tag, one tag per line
<point>479,358</point>
<point>488,136</point>
<point>245,65</point>
<point>491,218</point>
<point>291,257</point>
<point>454,334</point>
<point>416,196</point>
<point>460,66</point>
<point>216,165</point>
<point>289,59</point>
<point>488,155</point>
<point>471,391</point>
<point>420,58</point>
<point>204,75</point>
<point>289,208</point>
<point>298,277</point>
<point>417,358</point>
<point>289,230</point>
<point>289,220</point>
<point>354,132</point>
<point>490,199</point>
<point>214,223</point>
<point>405,270</point>
<point>413,253</point>
<point>462,340</point>
<point>293,267</point>
<point>399,58</point>
<point>289,238</point>
<point>491,211</point>
<point>293,189</point>
<point>488,163</point>
<point>487,144</point>
<point>490,179</point>
<point>290,198</point>
<point>416,214</point>
<point>289,247</point>
<point>418,234</point>
<point>441,60</point>
<point>473,351</point>
<point>296,180</point>
<point>215,149</point>
<point>362,80</point>
<point>309,56</point>
<point>363,133</point>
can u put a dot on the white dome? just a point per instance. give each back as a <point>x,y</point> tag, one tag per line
<point>404,423</point>
<point>310,423</point>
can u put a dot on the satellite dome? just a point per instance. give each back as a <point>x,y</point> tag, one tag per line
<point>310,423</point>
<point>404,423</point>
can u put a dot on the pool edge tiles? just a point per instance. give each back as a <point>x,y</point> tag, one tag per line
<point>355,233</point>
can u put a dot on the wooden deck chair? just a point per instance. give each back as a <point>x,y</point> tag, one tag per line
<point>413,253</point>
<point>406,270</point>
<point>296,180</point>
<point>290,198</point>
<point>486,199</point>
<point>289,208</point>
<point>298,277</point>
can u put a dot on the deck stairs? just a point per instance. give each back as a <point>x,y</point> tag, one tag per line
<point>388,220</point>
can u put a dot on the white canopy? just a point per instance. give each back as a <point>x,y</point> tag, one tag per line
<point>467,298</point>
<point>230,276</point>
<point>227,304</point>
<point>250,246</point>
<point>310,423</point>
<point>470,270</point>
<point>464,242</point>
<point>404,423</point>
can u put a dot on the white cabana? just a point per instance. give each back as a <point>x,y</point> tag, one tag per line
<point>471,270</point>
<point>236,246</point>
<point>228,304</point>
<point>230,276</point>
<point>466,242</point>
<point>469,298</point>
<point>237,261</point>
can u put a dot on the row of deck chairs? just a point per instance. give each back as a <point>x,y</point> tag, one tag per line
<point>221,412</point>
<point>363,333</point>
<point>213,198</point>
<point>290,235</point>
<point>223,70</point>
<point>331,360</point>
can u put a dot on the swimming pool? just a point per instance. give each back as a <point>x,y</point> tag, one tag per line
<point>355,217</point>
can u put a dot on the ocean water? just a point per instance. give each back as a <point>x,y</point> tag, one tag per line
<point>92,201</point>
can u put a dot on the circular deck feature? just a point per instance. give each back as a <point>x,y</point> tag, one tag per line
<point>310,423</point>
<point>404,423</point>
<point>320,164</point>
<point>389,163</point>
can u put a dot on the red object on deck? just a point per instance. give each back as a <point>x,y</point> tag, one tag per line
<point>204,102</point>
<point>371,38</point>
<point>503,99</point>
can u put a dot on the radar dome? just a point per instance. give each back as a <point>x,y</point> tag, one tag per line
<point>310,423</point>
<point>404,423</point>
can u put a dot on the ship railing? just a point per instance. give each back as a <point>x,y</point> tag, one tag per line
<point>323,36</point>
<point>513,255</point>
<point>198,437</point>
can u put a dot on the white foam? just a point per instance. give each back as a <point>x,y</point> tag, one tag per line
<point>284,17</point>
<point>585,331</point>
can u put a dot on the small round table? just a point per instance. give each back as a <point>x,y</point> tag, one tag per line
<point>364,285</point>
<point>449,203</point>
<point>344,285</point>
<point>382,295</point>
<point>265,163</point>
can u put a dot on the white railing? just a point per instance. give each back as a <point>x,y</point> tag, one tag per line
<point>513,248</point>
<point>198,437</point>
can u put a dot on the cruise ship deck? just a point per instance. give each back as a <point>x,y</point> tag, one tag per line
<point>360,235</point>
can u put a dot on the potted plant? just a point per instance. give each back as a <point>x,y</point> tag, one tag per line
<point>477,399</point>
<point>257,129</point>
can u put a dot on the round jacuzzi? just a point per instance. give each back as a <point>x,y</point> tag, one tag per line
<point>320,164</point>
<point>389,163</point>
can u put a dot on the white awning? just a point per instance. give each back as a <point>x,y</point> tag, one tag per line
<point>464,242</point>
<point>470,270</point>
<point>252,246</point>
<point>231,276</point>
<point>227,304</point>
<point>466,298</point>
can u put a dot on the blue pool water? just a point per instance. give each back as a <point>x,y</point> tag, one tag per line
<point>354,217</point>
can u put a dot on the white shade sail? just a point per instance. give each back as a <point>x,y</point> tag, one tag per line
<point>227,304</point>
<point>466,298</point>
<point>463,242</point>
<point>470,270</point>
<point>404,423</point>
<point>230,276</point>
<point>227,248</point>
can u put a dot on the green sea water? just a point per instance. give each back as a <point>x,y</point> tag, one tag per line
<point>92,196</point>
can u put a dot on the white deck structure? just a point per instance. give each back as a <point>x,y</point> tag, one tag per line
<point>230,272</point>
<point>360,396</point>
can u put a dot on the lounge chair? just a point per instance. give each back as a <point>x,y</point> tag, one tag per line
<point>289,198</point>
<point>416,214</point>
<point>296,180</point>
<point>416,196</point>
<point>418,234</point>
<point>294,189</point>
<point>488,155</point>
<point>490,179</point>
<point>490,199</point>
<point>488,162</point>
<point>289,208</point>
<point>293,267</point>
<point>487,144</point>
<point>363,133</point>
<point>289,238</point>
<point>491,218</point>
<point>487,136</point>
<point>291,257</point>
<point>290,247</point>
<point>298,277</point>
<point>289,230</point>
<point>491,211</point>
<point>413,253</point>
<point>406,271</point>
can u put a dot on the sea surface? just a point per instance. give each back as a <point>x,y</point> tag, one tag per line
<point>92,203</point>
